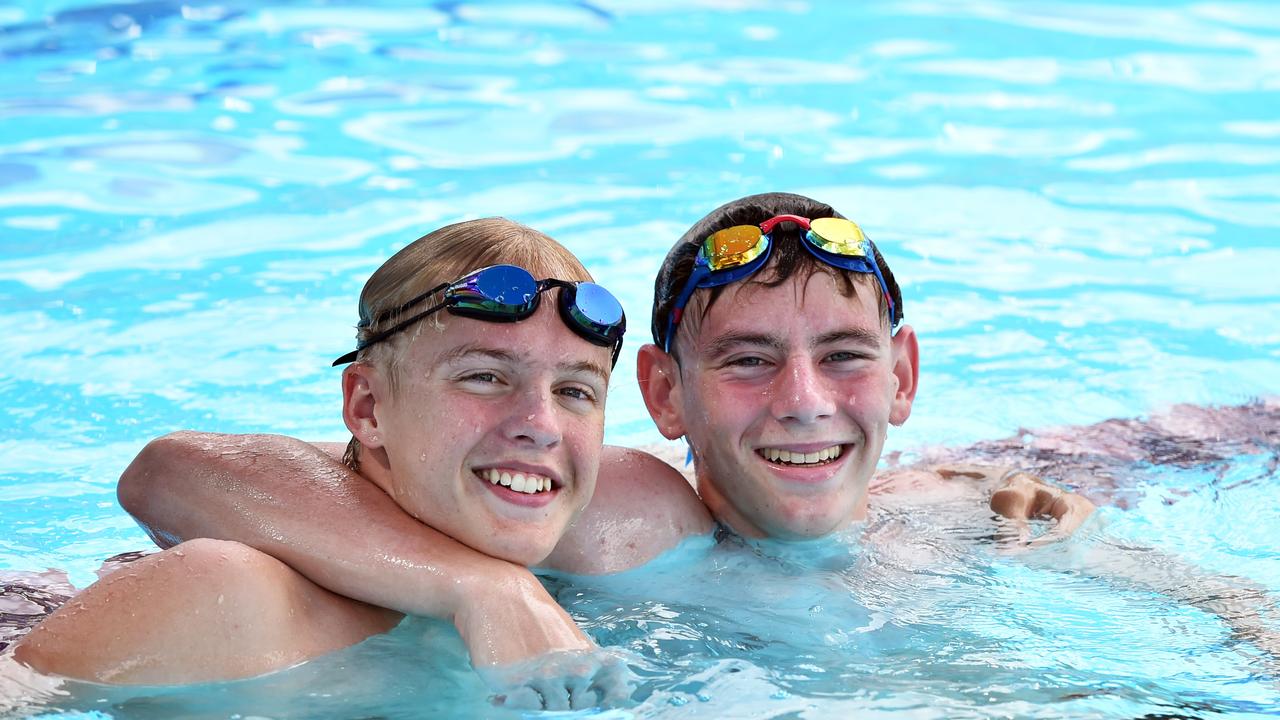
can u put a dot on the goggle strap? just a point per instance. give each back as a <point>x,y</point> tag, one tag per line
<point>704,277</point>
<point>379,337</point>
<point>846,262</point>
<point>414,301</point>
<point>767,226</point>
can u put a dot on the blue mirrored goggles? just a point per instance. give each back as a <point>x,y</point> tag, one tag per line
<point>736,252</point>
<point>507,293</point>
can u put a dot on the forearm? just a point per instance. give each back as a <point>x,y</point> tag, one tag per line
<point>1243,606</point>
<point>289,500</point>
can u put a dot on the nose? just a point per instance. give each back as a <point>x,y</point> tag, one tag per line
<point>800,395</point>
<point>534,420</point>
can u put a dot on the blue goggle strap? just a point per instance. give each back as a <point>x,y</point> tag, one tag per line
<point>704,277</point>
<point>857,263</point>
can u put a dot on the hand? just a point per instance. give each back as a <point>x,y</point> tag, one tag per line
<point>1023,496</point>
<point>561,681</point>
<point>527,647</point>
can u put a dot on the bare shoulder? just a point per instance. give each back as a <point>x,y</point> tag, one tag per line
<point>204,610</point>
<point>642,507</point>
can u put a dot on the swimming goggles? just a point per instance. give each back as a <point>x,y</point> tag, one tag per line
<point>506,293</point>
<point>736,252</point>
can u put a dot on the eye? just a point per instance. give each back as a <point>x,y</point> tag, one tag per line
<point>842,356</point>
<point>749,361</point>
<point>482,377</point>
<point>578,393</point>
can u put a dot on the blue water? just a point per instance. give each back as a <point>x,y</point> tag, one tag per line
<point>1080,200</point>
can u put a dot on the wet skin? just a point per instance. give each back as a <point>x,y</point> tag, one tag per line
<point>477,397</point>
<point>797,367</point>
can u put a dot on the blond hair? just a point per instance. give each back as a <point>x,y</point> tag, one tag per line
<point>442,256</point>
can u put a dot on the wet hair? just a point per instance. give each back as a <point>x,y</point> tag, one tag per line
<point>787,258</point>
<point>442,256</point>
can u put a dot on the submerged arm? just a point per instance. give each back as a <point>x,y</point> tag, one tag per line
<point>299,504</point>
<point>1246,608</point>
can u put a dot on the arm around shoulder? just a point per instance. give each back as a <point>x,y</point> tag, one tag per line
<point>642,507</point>
<point>188,484</point>
<point>296,502</point>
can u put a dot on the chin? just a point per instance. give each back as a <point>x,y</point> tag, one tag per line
<point>811,527</point>
<point>518,550</point>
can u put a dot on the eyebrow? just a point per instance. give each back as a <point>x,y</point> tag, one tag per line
<point>463,351</point>
<point>724,343</point>
<point>588,367</point>
<point>855,335</point>
<point>509,358</point>
<point>727,342</point>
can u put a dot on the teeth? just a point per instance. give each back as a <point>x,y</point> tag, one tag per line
<point>798,458</point>
<point>519,482</point>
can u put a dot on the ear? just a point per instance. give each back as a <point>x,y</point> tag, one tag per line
<point>906,368</point>
<point>361,394</point>
<point>660,386</point>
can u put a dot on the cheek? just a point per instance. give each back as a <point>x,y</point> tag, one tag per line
<point>443,431</point>
<point>724,402</point>
<point>586,435</point>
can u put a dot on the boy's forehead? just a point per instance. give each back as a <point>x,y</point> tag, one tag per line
<point>813,301</point>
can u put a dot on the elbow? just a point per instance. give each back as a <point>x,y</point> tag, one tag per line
<point>145,478</point>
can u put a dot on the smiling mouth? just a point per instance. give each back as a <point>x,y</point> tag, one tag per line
<point>528,483</point>
<point>790,458</point>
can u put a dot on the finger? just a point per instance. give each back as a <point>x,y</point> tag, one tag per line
<point>1075,511</point>
<point>522,698</point>
<point>554,694</point>
<point>582,694</point>
<point>1013,502</point>
<point>614,683</point>
<point>1070,512</point>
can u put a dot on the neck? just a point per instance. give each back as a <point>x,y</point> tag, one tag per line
<point>375,467</point>
<point>730,517</point>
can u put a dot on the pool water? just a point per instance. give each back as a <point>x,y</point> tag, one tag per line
<point>1080,200</point>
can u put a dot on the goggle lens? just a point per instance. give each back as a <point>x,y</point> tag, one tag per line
<point>839,236</point>
<point>734,246</point>
<point>595,311</point>
<point>501,289</point>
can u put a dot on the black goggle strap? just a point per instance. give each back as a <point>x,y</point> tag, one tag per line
<point>379,337</point>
